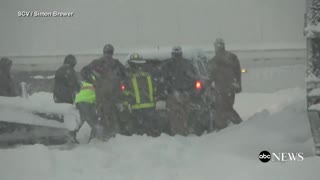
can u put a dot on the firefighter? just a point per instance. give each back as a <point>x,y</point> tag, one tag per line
<point>141,89</point>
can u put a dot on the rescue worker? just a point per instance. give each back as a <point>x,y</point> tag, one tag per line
<point>225,75</point>
<point>7,87</point>
<point>86,104</point>
<point>140,91</point>
<point>66,84</point>
<point>109,73</point>
<point>180,77</point>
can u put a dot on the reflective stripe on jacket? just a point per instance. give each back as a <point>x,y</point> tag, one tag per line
<point>141,92</point>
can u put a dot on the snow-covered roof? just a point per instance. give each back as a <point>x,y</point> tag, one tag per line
<point>43,77</point>
<point>163,54</point>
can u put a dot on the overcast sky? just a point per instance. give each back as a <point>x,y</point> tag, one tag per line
<point>146,23</point>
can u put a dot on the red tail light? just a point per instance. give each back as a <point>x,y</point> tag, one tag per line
<point>123,87</point>
<point>198,85</point>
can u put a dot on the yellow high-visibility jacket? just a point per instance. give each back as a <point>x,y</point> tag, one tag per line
<point>87,93</point>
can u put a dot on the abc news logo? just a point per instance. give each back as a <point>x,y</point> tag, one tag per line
<point>266,156</point>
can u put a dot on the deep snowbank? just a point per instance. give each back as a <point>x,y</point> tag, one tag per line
<point>247,104</point>
<point>229,154</point>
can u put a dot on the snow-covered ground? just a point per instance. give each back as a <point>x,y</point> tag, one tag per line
<point>274,109</point>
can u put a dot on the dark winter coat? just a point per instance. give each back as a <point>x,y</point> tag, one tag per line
<point>180,75</point>
<point>107,67</point>
<point>109,73</point>
<point>7,87</point>
<point>66,84</point>
<point>225,71</point>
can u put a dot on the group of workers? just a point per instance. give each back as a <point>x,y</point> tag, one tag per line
<point>108,88</point>
<point>107,85</point>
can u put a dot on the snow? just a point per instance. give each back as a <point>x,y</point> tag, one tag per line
<point>314,92</point>
<point>312,78</point>
<point>165,53</point>
<point>42,77</point>
<point>142,25</point>
<point>312,17</point>
<point>38,77</point>
<point>272,77</point>
<point>17,109</point>
<point>315,107</point>
<point>275,120</point>
<point>311,30</point>
<point>247,104</point>
<point>229,154</point>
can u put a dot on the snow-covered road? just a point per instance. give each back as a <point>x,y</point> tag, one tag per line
<point>275,120</point>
